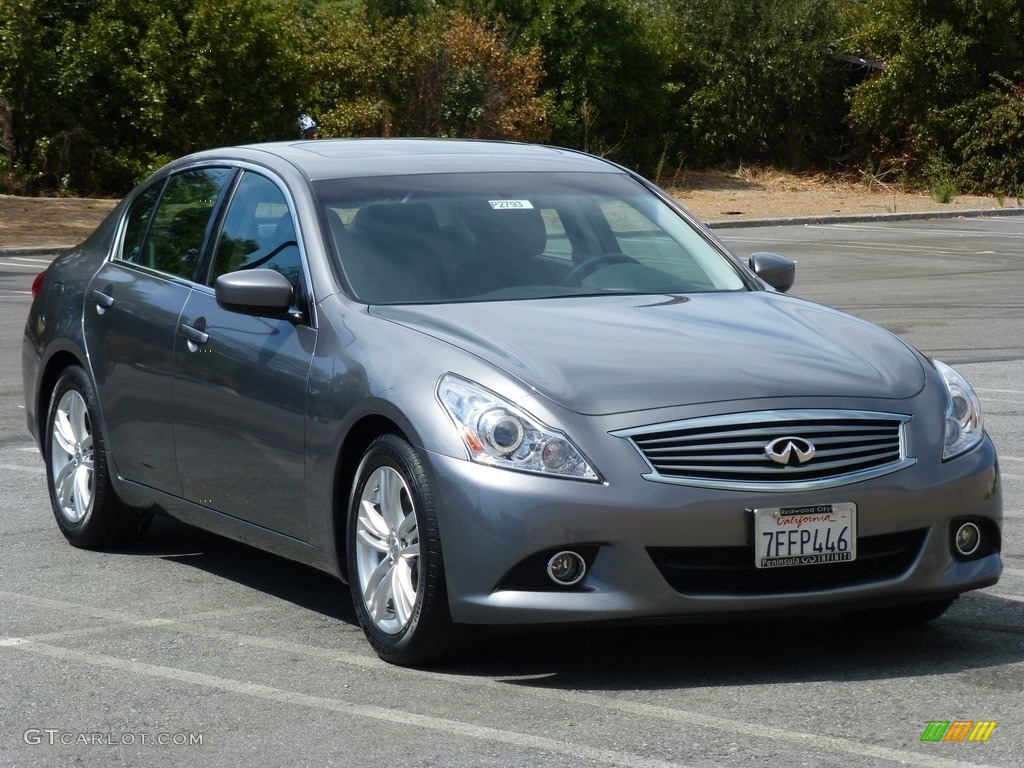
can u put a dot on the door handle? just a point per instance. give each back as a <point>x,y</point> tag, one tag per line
<point>104,301</point>
<point>194,336</point>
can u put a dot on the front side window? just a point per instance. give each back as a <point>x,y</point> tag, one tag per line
<point>507,236</point>
<point>258,232</point>
<point>170,238</point>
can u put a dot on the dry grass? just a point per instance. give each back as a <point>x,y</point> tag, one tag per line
<point>765,192</point>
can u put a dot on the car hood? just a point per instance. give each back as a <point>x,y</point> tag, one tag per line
<point>610,354</point>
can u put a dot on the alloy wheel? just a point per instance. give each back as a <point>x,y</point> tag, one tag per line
<point>387,550</point>
<point>71,457</point>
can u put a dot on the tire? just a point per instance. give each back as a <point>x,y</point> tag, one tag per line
<point>84,503</point>
<point>395,565</point>
<point>911,615</point>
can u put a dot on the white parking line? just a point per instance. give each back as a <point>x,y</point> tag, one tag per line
<point>959,233</point>
<point>29,260</point>
<point>319,703</point>
<point>19,468</point>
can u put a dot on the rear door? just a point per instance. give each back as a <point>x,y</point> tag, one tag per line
<point>241,380</point>
<point>131,316</point>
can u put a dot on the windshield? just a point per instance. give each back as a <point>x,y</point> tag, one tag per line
<point>463,237</point>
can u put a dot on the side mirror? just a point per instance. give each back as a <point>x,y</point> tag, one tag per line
<point>254,292</point>
<point>778,271</point>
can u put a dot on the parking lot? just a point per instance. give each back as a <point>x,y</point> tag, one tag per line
<point>191,650</point>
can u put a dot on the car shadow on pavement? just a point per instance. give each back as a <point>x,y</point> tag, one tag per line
<point>980,633</point>
<point>284,579</point>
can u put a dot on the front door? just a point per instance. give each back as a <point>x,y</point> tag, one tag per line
<point>241,381</point>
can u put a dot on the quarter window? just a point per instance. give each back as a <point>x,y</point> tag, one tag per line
<point>139,214</point>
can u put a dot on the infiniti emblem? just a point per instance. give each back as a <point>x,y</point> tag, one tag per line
<point>783,450</point>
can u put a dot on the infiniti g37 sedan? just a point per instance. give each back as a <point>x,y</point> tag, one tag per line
<point>496,384</point>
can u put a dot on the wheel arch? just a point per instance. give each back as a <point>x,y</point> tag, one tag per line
<point>55,366</point>
<point>363,432</point>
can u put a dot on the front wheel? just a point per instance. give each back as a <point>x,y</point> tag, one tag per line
<point>84,503</point>
<point>394,557</point>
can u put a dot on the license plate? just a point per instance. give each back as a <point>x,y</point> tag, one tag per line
<point>811,535</point>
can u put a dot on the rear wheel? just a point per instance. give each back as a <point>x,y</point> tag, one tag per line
<point>901,615</point>
<point>84,503</point>
<point>394,560</point>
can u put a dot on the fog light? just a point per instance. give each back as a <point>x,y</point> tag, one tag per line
<point>567,568</point>
<point>967,539</point>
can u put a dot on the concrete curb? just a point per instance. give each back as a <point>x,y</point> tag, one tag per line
<point>862,217</point>
<point>40,250</point>
<point>794,221</point>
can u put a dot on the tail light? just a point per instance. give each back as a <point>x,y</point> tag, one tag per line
<point>37,284</point>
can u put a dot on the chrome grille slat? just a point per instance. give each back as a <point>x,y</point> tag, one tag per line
<point>782,428</point>
<point>664,457</point>
<point>730,451</point>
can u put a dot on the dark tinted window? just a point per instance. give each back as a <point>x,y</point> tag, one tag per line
<point>258,232</point>
<point>136,226</point>
<point>179,224</point>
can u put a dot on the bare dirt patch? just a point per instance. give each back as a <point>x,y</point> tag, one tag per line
<point>27,222</point>
<point>760,194</point>
<point>714,196</point>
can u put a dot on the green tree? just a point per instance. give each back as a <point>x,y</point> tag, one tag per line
<point>357,70</point>
<point>30,36</point>
<point>103,91</point>
<point>442,74</point>
<point>760,82</point>
<point>608,70</point>
<point>940,57</point>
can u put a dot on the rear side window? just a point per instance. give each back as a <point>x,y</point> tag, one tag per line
<point>170,238</point>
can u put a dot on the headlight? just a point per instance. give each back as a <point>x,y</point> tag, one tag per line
<point>965,425</point>
<point>500,434</point>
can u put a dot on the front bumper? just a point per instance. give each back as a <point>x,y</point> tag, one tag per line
<point>495,523</point>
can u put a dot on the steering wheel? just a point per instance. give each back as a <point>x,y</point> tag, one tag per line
<point>589,266</point>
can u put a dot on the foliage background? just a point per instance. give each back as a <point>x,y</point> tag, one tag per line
<point>95,94</point>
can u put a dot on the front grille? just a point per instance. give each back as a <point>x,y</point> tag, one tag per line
<point>731,451</point>
<point>730,570</point>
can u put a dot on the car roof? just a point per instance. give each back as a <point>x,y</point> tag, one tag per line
<point>322,159</point>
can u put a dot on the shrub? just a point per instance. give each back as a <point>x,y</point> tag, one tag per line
<point>944,62</point>
<point>989,144</point>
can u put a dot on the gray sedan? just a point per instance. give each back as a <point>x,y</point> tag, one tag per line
<point>495,384</point>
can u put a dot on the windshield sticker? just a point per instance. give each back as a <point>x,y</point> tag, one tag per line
<point>505,205</point>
